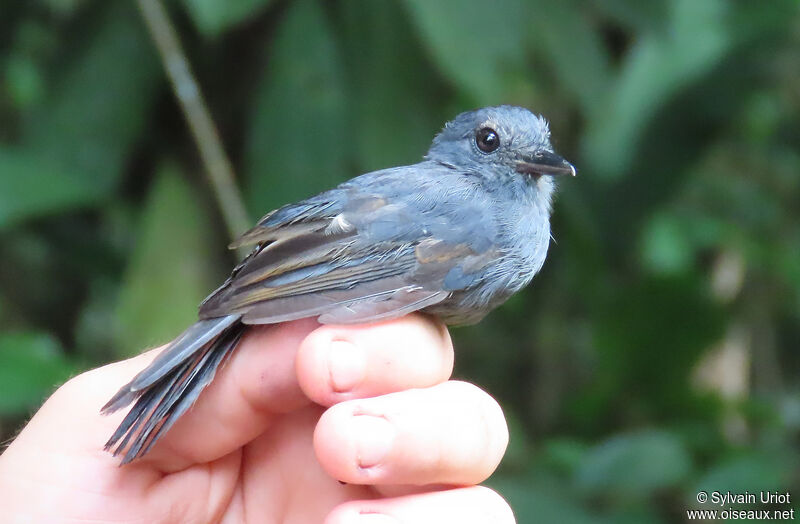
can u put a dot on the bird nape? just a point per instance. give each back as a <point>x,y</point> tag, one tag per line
<point>454,235</point>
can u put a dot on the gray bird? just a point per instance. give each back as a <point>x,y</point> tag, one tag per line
<point>454,236</point>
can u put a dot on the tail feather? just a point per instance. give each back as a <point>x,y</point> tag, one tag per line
<point>188,394</point>
<point>136,418</point>
<point>197,336</point>
<point>180,377</point>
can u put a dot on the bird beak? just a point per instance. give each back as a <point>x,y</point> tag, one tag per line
<point>545,163</point>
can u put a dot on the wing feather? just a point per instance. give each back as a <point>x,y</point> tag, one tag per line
<point>355,253</point>
<point>328,279</point>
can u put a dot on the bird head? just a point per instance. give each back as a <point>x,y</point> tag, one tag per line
<point>505,139</point>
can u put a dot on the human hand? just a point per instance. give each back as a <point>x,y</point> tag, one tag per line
<point>258,446</point>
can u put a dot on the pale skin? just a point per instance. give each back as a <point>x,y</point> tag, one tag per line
<point>306,424</point>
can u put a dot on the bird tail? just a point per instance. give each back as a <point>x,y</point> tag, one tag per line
<point>165,389</point>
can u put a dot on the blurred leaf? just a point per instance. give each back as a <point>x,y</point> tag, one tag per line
<point>648,336</point>
<point>642,513</point>
<point>660,65</point>
<point>64,7</point>
<point>575,49</point>
<point>634,465</point>
<point>34,39</point>
<point>789,406</point>
<point>24,80</point>
<point>213,17</point>
<point>635,14</point>
<point>564,454</point>
<point>394,93</point>
<point>761,117</point>
<point>519,445</point>
<point>665,248</point>
<point>95,111</point>
<point>31,365</point>
<point>534,502</point>
<point>169,273</point>
<point>476,44</point>
<point>93,340</point>
<point>299,134</point>
<point>30,186</point>
<point>754,472</point>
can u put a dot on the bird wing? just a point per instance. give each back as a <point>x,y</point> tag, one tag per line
<point>292,219</point>
<point>347,255</point>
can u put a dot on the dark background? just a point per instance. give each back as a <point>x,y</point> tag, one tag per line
<point>656,353</point>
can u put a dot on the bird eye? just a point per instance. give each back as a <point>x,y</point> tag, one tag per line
<point>487,140</point>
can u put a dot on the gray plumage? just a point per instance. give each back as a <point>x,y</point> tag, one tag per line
<point>454,235</point>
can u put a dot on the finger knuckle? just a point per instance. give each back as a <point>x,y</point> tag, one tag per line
<point>77,386</point>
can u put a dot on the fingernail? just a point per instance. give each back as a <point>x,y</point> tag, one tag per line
<point>346,365</point>
<point>374,438</point>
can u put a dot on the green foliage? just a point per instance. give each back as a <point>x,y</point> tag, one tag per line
<point>214,17</point>
<point>25,83</point>
<point>31,366</point>
<point>296,144</point>
<point>664,61</point>
<point>31,186</point>
<point>752,471</point>
<point>633,466</point>
<point>687,322</point>
<point>168,274</point>
<point>574,49</point>
<point>547,504</point>
<point>680,236</point>
<point>96,108</point>
<point>399,97</point>
<point>478,49</point>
